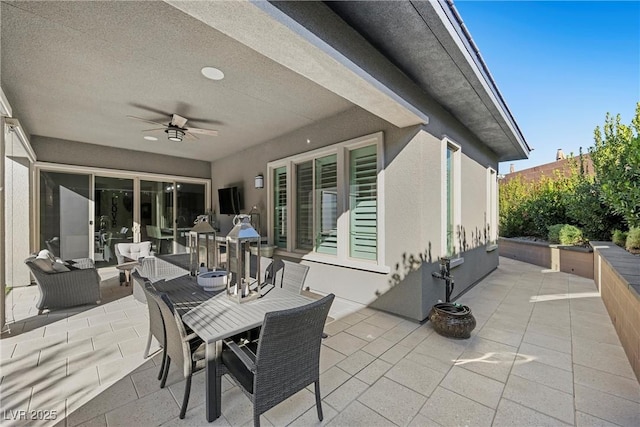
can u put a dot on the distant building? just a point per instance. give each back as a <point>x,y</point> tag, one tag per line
<point>549,169</point>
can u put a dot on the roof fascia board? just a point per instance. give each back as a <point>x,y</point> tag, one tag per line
<point>446,16</point>
<point>14,124</point>
<point>269,31</point>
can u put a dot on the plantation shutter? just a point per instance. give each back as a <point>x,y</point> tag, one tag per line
<point>327,205</point>
<point>304,208</point>
<point>363,193</point>
<point>280,207</point>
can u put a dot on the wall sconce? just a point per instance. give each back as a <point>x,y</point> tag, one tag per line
<point>259,181</point>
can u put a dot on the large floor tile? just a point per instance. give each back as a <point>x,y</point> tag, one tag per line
<point>153,409</point>
<point>624,387</point>
<point>607,407</point>
<point>345,343</point>
<point>357,414</point>
<point>541,398</point>
<point>115,396</point>
<point>474,386</point>
<point>346,393</point>
<point>293,407</point>
<point>401,409</point>
<point>418,378</point>
<point>356,362</point>
<point>548,375</point>
<point>511,414</point>
<point>546,356</point>
<point>467,412</point>
<point>365,331</point>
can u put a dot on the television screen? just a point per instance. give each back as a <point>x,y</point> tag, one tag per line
<point>229,200</point>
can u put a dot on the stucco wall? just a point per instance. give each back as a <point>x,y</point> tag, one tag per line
<point>16,220</point>
<point>81,154</point>
<point>413,171</point>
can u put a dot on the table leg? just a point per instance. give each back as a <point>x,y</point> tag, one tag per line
<point>213,393</point>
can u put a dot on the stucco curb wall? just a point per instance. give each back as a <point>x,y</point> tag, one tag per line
<point>568,259</point>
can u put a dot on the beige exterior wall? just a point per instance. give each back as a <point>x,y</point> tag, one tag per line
<point>412,205</point>
<point>81,154</point>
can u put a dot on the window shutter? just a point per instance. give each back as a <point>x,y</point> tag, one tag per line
<point>304,205</point>
<point>327,205</point>
<point>363,192</point>
<point>280,207</point>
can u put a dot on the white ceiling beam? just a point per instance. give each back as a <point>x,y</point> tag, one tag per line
<point>270,32</point>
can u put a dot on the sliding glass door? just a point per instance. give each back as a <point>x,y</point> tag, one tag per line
<point>65,203</point>
<point>114,203</point>
<point>85,212</point>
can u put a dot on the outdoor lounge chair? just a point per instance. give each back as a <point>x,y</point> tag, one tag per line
<point>286,359</point>
<point>64,283</point>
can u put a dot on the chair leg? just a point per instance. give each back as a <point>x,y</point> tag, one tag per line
<point>256,419</point>
<point>166,372</point>
<point>185,399</point>
<point>164,361</point>
<point>146,349</point>
<point>318,400</point>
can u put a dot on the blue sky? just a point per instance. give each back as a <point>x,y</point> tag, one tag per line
<point>561,66</point>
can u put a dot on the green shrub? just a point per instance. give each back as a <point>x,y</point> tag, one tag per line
<point>570,235</point>
<point>633,239</point>
<point>554,233</point>
<point>619,237</point>
<point>565,234</point>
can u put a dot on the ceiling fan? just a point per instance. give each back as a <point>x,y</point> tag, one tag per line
<point>176,129</point>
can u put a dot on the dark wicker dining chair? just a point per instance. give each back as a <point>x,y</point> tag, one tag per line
<point>286,360</point>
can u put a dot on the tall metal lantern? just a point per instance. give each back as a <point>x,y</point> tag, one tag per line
<point>240,285</point>
<point>202,247</point>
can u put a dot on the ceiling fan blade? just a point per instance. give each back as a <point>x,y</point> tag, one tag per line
<point>145,120</point>
<point>209,132</point>
<point>153,130</point>
<point>179,121</point>
<point>189,135</point>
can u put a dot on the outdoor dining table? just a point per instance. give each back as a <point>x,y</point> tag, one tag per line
<point>214,317</point>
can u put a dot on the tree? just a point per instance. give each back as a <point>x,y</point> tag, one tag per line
<point>616,159</point>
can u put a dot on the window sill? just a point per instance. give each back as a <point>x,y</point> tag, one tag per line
<point>456,262</point>
<point>347,263</point>
<point>491,248</point>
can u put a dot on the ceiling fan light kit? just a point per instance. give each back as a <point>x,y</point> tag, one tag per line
<point>175,134</point>
<point>176,129</point>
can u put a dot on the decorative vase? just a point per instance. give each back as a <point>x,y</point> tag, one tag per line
<point>452,320</point>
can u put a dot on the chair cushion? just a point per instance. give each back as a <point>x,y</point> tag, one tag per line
<point>237,368</point>
<point>46,254</point>
<point>135,250</point>
<point>44,264</point>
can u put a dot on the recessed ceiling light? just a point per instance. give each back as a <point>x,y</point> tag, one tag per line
<point>212,73</point>
<point>308,141</point>
<point>150,138</point>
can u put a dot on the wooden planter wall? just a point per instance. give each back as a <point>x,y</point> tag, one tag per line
<point>617,276</point>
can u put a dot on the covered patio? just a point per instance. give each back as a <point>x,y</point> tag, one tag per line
<point>544,352</point>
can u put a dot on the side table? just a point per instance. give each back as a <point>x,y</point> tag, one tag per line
<point>126,267</point>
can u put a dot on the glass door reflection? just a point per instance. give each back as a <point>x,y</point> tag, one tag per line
<point>156,215</point>
<point>114,202</point>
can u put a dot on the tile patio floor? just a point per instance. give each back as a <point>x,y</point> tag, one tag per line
<point>544,352</point>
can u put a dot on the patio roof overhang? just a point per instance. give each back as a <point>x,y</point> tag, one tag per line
<point>75,70</point>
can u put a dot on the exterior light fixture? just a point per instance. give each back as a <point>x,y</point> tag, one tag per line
<point>175,134</point>
<point>259,181</point>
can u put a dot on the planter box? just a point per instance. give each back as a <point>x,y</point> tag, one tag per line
<point>617,276</point>
<point>569,259</point>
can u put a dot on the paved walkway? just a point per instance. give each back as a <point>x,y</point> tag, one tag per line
<point>544,352</point>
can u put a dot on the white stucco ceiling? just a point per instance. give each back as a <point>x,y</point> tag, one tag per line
<point>75,70</point>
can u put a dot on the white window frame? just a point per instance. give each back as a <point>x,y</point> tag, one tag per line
<point>448,143</point>
<point>342,257</point>
<point>492,207</point>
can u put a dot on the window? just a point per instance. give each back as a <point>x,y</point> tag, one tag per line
<point>333,209</point>
<point>363,199</point>
<point>280,207</point>
<point>492,207</point>
<point>450,196</point>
